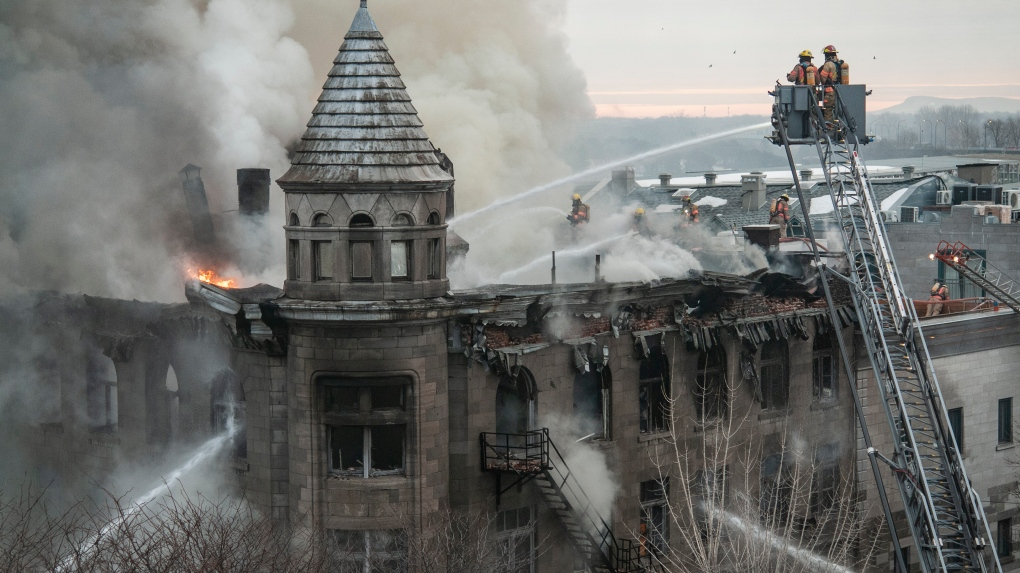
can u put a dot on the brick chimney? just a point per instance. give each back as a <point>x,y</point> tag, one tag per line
<point>753,189</point>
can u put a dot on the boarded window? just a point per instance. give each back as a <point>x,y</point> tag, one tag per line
<point>361,260</point>
<point>823,368</point>
<point>653,390</point>
<point>711,394</point>
<point>774,378</point>
<point>400,259</point>
<point>323,256</point>
<point>366,424</point>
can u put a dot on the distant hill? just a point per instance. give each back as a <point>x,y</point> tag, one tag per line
<point>981,104</point>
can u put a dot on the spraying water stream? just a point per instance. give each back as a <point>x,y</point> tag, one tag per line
<point>601,168</point>
<point>562,254</point>
<point>204,452</point>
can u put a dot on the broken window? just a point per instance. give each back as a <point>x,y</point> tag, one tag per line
<point>361,261</point>
<point>515,538</point>
<point>369,551</point>
<point>515,402</point>
<point>591,399</point>
<point>824,368</point>
<point>653,389</point>
<point>774,378</point>
<point>825,486</point>
<point>101,391</point>
<point>654,529</point>
<point>711,394</point>
<point>366,425</point>
<point>227,411</point>
<point>433,259</point>
<point>400,259</point>
<point>294,259</point>
<point>776,490</point>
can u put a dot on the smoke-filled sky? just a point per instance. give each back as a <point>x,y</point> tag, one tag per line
<point>657,57</point>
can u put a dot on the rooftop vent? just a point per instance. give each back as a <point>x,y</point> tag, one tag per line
<point>664,179</point>
<point>805,174</point>
<point>908,171</point>
<point>710,178</point>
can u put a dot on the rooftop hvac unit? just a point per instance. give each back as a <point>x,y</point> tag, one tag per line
<point>986,192</point>
<point>890,217</point>
<point>908,214</point>
<point>963,192</point>
<point>944,197</point>
<point>1011,198</point>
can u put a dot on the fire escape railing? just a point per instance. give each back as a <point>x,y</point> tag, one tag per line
<point>979,271</point>
<point>944,513</point>
<point>533,455</point>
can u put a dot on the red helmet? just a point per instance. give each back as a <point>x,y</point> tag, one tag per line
<point>830,49</point>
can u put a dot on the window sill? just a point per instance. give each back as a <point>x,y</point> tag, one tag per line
<point>819,405</point>
<point>651,436</point>
<point>380,480</point>
<point>773,414</point>
<point>1005,446</point>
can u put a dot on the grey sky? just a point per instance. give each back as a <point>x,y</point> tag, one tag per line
<point>653,57</point>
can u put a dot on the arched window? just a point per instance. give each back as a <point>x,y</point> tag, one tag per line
<point>322,220</point>
<point>227,410</point>
<point>824,369</point>
<point>515,402</point>
<point>294,222</point>
<point>362,220</point>
<point>173,401</point>
<point>711,394</point>
<point>653,389</point>
<point>591,400</point>
<point>775,375</point>
<point>434,218</point>
<point>402,220</point>
<point>101,391</point>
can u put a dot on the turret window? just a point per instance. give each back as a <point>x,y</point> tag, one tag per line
<point>362,220</point>
<point>434,218</point>
<point>294,222</point>
<point>400,260</point>
<point>322,252</point>
<point>294,259</point>
<point>366,424</point>
<point>433,258</point>
<point>402,220</point>
<point>361,261</point>
<point>322,220</point>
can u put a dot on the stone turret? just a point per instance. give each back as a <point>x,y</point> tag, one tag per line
<point>366,192</point>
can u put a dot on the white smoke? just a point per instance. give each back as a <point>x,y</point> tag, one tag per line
<point>587,464</point>
<point>101,103</point>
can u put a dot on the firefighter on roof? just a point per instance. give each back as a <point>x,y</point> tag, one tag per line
<point>639,223</point>
<point>833,72</point>
<point>579,212</point>
<point>939,294</point>
<point>779,213</point>
<point>804,73</point>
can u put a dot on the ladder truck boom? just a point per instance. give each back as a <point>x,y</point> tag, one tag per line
<point>944,513</point>
<point>979,271</point>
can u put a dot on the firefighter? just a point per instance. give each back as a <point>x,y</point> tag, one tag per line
<point>804,73</point>
<point>939,294</point>
<point>695,215</point>
<point>831,74</point>
<point>779,213</point>
<point>579,212</point>
<point>639,223</point>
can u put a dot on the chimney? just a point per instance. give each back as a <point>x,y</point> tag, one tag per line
<point>710,178</point>
<point>664,179</point>
<point>764,236</point>
<point>623,181</point>
<point>198,204</point>
<point>753,188</point>
<point>253,191</point>
<point>908,171</point>
<point>805,174</point>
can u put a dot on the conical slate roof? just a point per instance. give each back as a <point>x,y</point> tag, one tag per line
<point>364,129</point>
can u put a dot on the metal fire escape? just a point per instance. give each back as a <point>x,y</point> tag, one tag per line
<point>979,271</point>
<point>944,513</point>
<point>534,456</point>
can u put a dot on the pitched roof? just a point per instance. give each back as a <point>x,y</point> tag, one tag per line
<point>364,129</point>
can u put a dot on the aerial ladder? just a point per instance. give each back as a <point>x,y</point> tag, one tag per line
<point>979,271</point>
<point>943,511</point>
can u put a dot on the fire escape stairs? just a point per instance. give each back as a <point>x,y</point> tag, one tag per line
<point>944,514</point>
<point>534,457</point>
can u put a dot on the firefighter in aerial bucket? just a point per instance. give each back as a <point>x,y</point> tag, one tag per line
<point>804,73</point>
<point>938,295</point>
<point>833,72</point>
<point>579,212</point>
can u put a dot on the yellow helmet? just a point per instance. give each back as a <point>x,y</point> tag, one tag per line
<point>806,54</point>
<point>784,196</point>
<point>577,197</point>
<point>640,211</point>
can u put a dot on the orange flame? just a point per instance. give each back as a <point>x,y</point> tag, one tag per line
<point>210,276</point>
